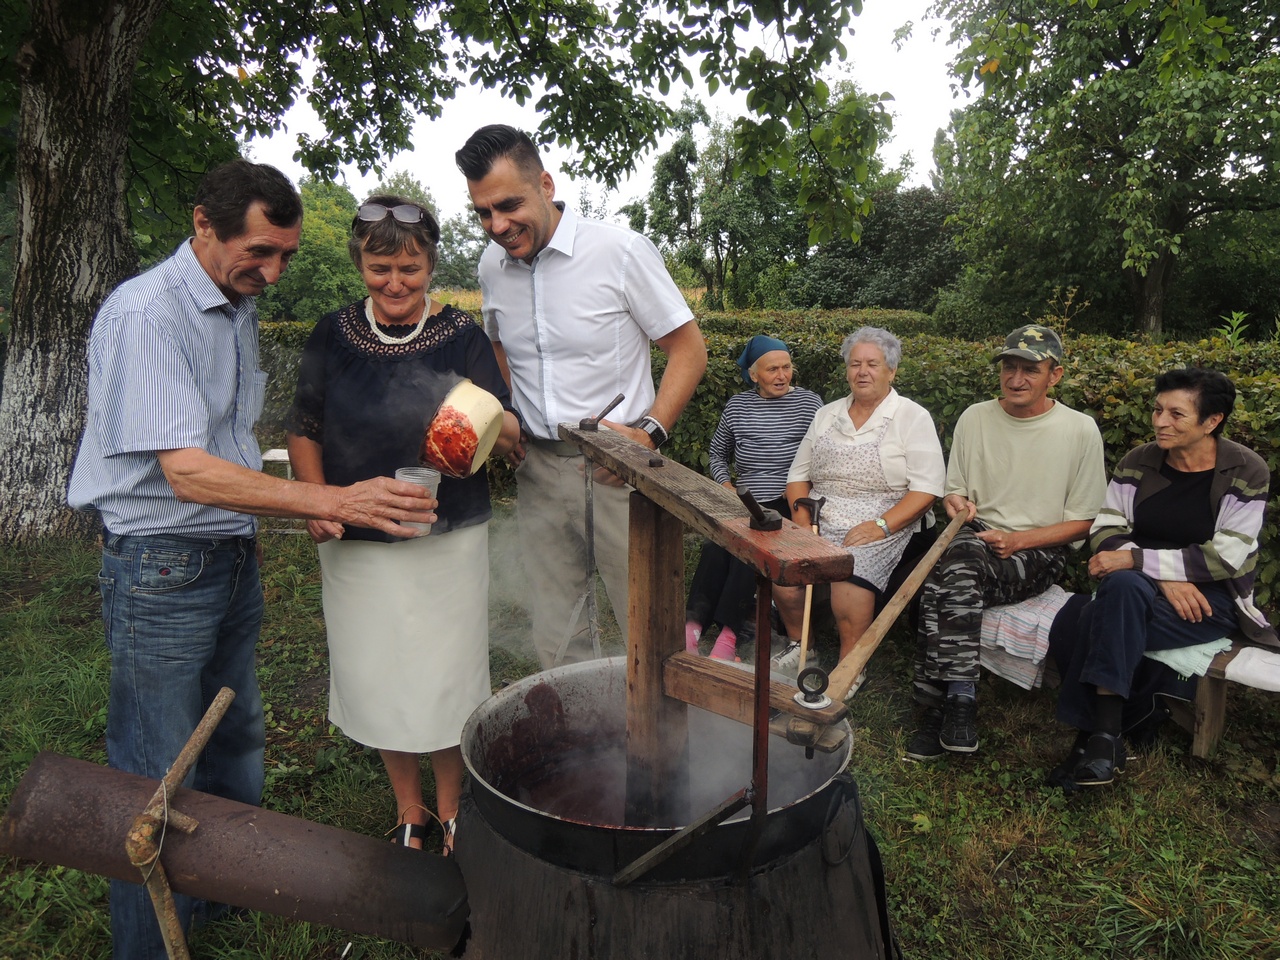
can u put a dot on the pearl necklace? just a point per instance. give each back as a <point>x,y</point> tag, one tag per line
<point>387,338</point>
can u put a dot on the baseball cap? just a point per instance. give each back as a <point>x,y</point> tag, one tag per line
<point>1034,342</point>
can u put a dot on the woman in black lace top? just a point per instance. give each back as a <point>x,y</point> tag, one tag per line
<point>407,620</point>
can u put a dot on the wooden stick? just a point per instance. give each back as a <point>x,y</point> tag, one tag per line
<point>848,669</point>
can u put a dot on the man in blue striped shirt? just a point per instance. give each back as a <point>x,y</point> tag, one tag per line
<point>170,461</point>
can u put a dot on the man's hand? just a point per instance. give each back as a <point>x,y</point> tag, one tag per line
<point>631,433</point>
<point>385,504</point>
<point>1186,599</point>
<point>1002,543</point>
<point>1109,561</point>
<point>954,503</point>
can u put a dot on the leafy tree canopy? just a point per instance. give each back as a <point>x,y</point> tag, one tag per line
<point>1114,130</point>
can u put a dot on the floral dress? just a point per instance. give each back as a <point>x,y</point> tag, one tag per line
<point>852,479</point>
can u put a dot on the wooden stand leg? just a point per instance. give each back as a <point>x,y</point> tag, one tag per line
<point>1210,715</point>
<point>657,726</point>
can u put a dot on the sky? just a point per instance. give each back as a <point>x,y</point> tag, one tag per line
<point>915,75</point>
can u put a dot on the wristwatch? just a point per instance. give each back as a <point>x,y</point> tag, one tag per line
<point>883,524</point>
<point>656,431</point>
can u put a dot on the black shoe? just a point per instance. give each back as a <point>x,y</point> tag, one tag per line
<point>1103,761</point>
<point>924,743</point>
<point>959,732</point>
<point>1063,775</point>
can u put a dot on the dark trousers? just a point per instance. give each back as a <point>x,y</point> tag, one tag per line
<point>723,590</point>
<point>1129,616</point>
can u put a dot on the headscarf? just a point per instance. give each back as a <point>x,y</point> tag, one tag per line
<point>756,348</point>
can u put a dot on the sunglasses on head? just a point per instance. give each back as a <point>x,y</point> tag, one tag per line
<point>404,212</point>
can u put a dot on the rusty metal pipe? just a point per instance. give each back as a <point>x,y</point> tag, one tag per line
<point>77,814</point>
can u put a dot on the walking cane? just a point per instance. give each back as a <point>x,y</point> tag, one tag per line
<point>814,506</point>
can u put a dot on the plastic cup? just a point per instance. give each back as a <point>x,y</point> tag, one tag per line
<point>423,477</point>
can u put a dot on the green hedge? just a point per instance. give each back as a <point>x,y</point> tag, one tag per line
<point>1111,380</point>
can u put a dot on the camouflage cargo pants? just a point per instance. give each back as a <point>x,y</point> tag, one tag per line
<point>969,578</point>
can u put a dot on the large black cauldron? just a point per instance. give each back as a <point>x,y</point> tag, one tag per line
<point>541,837</point>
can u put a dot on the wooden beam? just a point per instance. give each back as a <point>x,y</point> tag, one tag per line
<point>657,726</point>
<point>729,691</point>
<point>792,556</point>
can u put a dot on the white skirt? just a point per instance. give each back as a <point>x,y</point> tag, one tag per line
<point>408,627</point>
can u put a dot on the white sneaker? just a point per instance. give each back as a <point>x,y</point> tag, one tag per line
<point>789,661</point>
<point>856,686</point>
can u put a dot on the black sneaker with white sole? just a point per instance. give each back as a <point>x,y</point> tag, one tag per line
<point>959,733</point>
<point>924,743</point>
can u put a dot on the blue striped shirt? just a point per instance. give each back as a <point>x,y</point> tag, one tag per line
<point>760,437</point>
<point>172,364</point>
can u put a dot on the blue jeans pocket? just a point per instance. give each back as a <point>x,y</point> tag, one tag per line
<point>161,570</point>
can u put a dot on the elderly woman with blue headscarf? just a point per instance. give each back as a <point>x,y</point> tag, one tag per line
<point>875,456</point>
<point>755,441</point>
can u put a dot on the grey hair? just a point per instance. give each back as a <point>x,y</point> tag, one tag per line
<point>889,345</point>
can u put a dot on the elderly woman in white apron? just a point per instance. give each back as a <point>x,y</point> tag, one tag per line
<point>875,456</point>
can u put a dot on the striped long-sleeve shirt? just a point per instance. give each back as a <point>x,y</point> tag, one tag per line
<point>1239,498</point>
<point>759,438</point>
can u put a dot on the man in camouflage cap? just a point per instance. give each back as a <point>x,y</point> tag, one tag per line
<point>1028,474</point>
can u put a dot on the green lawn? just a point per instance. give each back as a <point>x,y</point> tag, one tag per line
<point>1180,861</point>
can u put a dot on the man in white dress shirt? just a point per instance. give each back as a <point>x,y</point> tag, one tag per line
<point>571,306</point>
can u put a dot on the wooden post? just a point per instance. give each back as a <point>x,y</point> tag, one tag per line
<point>657,726</point>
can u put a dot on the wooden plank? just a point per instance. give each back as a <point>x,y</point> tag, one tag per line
<point>792,556</point>
<point>657,726</point>
<point>730,692</point>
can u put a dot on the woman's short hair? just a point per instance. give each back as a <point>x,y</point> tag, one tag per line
<point>389,236</point>
<point>1213,391</point>
<point>889,345</point>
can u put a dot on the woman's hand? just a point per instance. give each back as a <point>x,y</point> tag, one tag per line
<point>1109,561</point>
<point>322,530</point>
<point>515,456</point>
<point>866,532</point>
<point>1186,599</point>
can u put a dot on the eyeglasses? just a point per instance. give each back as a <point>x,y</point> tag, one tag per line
<point>404,212</point>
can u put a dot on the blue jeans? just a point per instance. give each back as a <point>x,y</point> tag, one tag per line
<point>182,618</point>
<point>1127,617</point>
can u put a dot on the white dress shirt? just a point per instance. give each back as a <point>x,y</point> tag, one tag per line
<point>577,322</point>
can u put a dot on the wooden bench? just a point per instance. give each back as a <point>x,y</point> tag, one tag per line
<point>1205,717</point>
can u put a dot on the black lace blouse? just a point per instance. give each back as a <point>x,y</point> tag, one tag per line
<point>368,403</point>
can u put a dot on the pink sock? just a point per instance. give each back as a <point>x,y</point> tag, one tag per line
<point>692,634</point>
<point>725,645</point>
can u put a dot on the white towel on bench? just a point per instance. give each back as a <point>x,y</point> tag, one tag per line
<point>1015,637</point>
<point>1255,667</point>
<point>1191,661</point>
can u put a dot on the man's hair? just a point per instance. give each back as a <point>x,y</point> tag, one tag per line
<point>388,236</point>
<point>228,191</point>
<point>1213,391</point>
<point>490,144</point>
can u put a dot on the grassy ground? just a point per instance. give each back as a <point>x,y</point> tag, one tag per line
<point>1178,862</point>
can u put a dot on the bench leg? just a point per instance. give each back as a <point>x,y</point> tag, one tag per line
<point>1210,715</point>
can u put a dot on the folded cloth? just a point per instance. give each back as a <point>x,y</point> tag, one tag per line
<point>1015,637</point>
<point>1256,667</point>
<point>1191,661</point>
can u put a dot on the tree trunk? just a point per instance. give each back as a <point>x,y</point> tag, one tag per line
<point>1149,292</point>
<point>76,68</point>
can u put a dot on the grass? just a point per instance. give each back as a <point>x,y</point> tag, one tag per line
<point>1179,862</point>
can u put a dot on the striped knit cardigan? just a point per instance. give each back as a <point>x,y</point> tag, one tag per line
<point>1239,494</point>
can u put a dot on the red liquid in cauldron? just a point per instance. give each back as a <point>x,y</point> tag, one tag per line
<point>586,785</point>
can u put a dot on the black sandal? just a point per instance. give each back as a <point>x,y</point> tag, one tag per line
<point>402,833</point>
<point>1103,761</point>
<point>450,828</point>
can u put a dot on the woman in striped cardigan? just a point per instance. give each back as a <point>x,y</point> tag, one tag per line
<point>1175,547</point>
